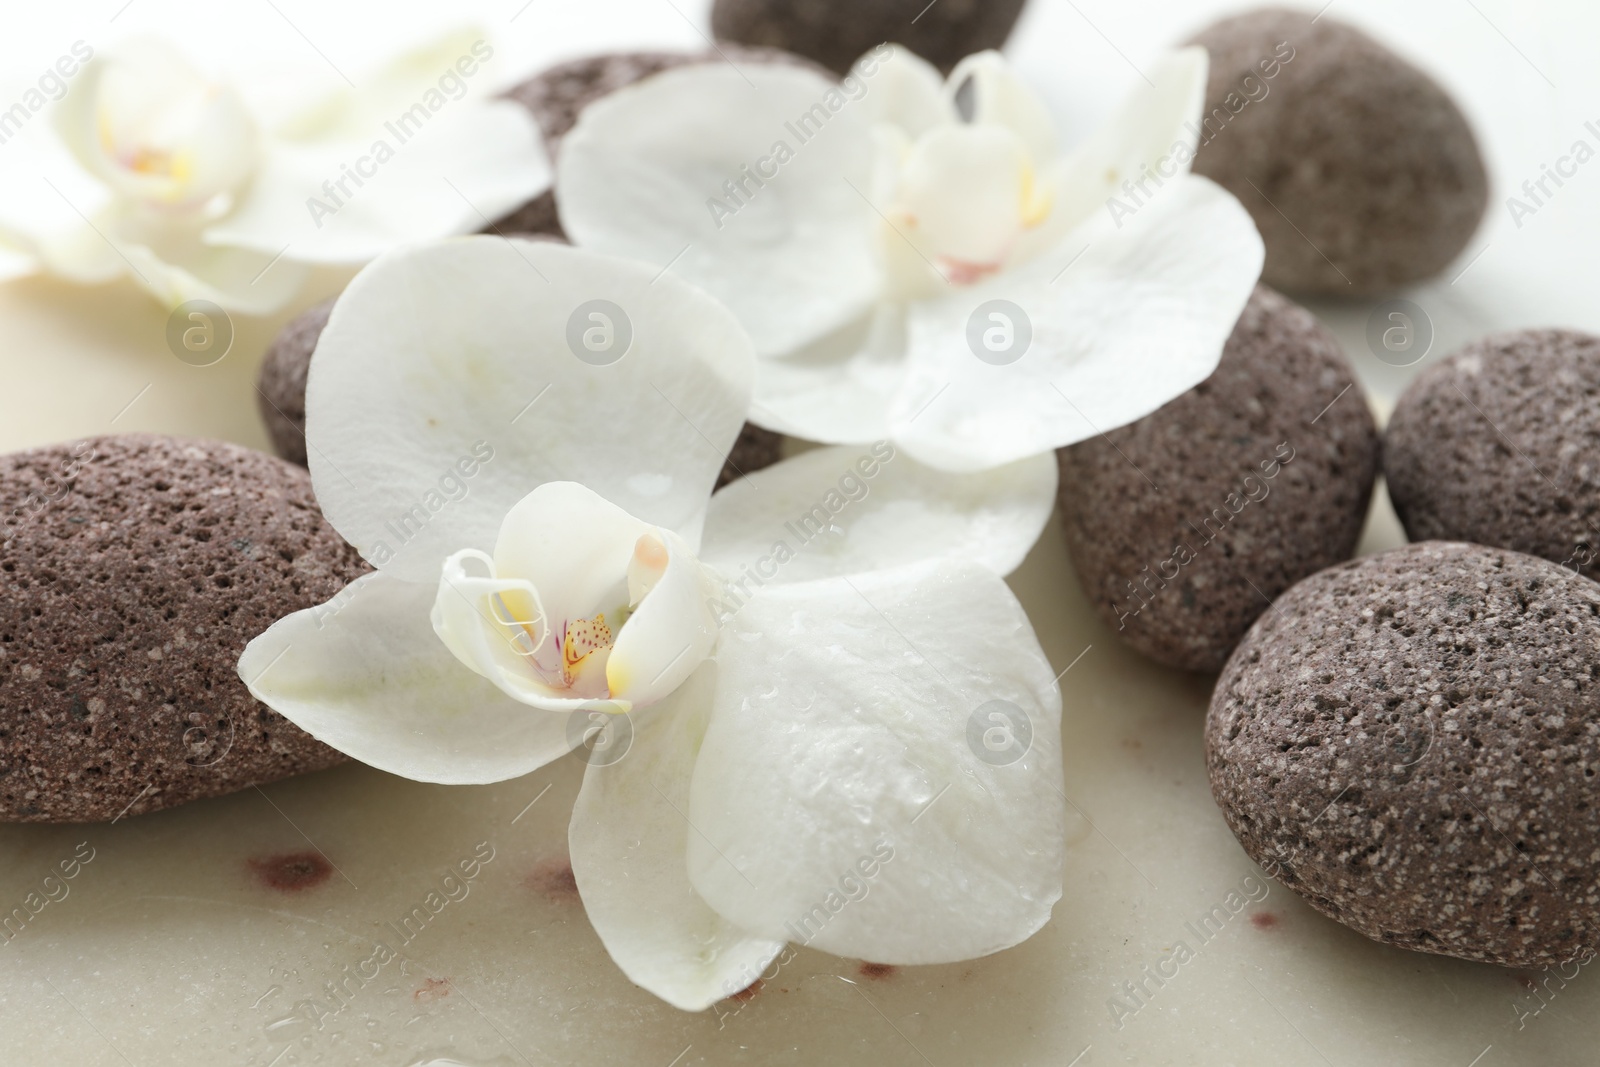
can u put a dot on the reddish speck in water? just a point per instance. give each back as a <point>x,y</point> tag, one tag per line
<point>292,871</point>
<point>1525,982</point>
<point>1263,920</point>
<point>876,970</point>
<point>554,879</point>
<point>432,989</point>
<point>1132,742</point>
<point>748,993</point>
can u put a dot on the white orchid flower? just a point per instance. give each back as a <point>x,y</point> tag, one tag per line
<point>177,181</point>
<point>863,233</point>
<point>523,437</point>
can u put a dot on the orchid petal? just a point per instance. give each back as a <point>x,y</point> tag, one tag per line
<point>1100,333</point>
<point>472,163</point>
<point>653,172</point>
<point>1155,131</point>
<point>427,417</point>
<point>398,83</point>
<point>176,267</point>
<point>905,91</point>
<point>82,254</point>
<point>999,98</point>
<point>169,262</point>
<point>628,840</point>
<point>838,389</point>
<point>365,674</point>
<point>671,632</point>
<point>849,750</point>
<point>848,510</point>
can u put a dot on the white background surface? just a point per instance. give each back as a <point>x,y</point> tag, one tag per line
<point>166,951</point>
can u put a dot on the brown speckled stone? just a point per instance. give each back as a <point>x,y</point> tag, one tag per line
<point>1411,742</point>
<point>1352,154</point>
<point>555,97</point>
<point>538,217</point>
<point>1500,445</point>
<point>134,570</point>
<point>281,392</point>
<point>836,33</point>
<point>1183,524</point>
<point>281,386</point>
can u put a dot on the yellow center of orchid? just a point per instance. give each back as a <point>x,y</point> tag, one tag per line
<point>585,644</point>
<point>167,137</point>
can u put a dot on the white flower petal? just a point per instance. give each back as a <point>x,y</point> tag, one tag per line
<point>628,841</point>
<point>472,163</point>
<point>366,674</point>
<point>670,634</point>
<point>81,254</point>
<point>357,114</point>
<point>76,118</point>
<point>179,268</point>
<point>444,390</point>
<point>837,389</point>
<point>1155,130</point>
<point>846,510</point>
<point>1116,332</point>
<point>905,91</point>
<point>833,738</point>
<point>168,261</point>
<point>999,98</point>
<point>643,172</point>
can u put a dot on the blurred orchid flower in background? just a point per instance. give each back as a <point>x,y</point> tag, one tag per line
<point>523,437</point>
<point>185,186</point>
<point>914,257</point>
